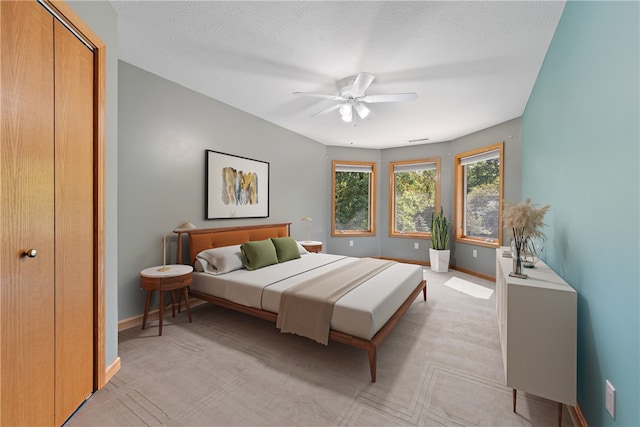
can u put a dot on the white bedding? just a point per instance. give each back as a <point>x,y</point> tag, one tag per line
<point>361,312</point>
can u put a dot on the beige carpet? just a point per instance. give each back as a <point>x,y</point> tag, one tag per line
<point>441,366</point>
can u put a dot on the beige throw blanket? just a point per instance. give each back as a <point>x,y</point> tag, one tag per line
<point>306,309</point>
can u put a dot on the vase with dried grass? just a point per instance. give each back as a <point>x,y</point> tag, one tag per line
<point>523,222</point>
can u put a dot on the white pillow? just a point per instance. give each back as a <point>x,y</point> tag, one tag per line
<point>221,260</point>
<point>302,249</point>
<point>199,265</point>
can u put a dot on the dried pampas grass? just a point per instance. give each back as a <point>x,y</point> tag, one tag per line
<point>524,220</point>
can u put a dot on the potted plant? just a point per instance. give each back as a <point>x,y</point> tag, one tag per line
<point>438,253</point>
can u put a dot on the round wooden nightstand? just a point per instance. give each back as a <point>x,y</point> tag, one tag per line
<point>168,278</point>
<point>312,245</point>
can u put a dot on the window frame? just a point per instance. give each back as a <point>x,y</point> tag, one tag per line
<point>460,192</point>
<point>392,196</point>
<point>372,199</point>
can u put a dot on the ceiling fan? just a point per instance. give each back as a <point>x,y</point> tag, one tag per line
<point>352,97</point>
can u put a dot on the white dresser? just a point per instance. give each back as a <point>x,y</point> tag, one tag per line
<point>537,318</point>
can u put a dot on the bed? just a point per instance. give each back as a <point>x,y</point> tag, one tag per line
<point>362,317</point>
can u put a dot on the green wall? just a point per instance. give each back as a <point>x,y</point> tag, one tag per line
<point>580,138</point>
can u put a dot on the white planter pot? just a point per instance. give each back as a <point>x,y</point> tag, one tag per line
<point>439,260</point>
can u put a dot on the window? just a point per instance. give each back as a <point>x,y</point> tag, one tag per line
<point>478,196</point>
<point>414,192</point>
<point>353,198</point>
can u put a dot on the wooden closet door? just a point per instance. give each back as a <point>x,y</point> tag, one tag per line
<point>74,112</point>
<point>47,204</point>
<point>26,215</point>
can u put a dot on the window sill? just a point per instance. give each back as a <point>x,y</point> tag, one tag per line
<point>411,235</point>
<point>352,233</point>
<point>487,243</point>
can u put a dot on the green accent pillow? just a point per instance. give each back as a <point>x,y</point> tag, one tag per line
<point>258,254</point>
<point>286,248</point>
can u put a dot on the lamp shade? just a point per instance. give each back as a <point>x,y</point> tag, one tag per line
<point>184,225</point>
<point>346,112</point>
<point>363,111</point>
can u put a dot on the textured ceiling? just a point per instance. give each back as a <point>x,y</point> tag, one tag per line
<point>472,64</point>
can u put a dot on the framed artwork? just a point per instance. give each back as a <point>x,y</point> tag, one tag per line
<point>235,187</point>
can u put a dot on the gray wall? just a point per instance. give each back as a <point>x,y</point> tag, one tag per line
<point>509,132</point>
<point>402,247</point>
<point>365,245</point>
<point>164,130</point>
<point>103,20</point>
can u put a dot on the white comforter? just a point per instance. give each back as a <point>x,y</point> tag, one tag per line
<point>361,312</point>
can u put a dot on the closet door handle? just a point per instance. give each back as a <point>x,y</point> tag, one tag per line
<point>31,253</point>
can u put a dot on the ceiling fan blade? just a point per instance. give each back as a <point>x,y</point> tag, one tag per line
<point>327,110</point>
<point>392,97</point>
<point>320,95</point>
<point>360,85</point>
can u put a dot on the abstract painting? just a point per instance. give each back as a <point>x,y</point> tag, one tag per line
<point>235,187</point>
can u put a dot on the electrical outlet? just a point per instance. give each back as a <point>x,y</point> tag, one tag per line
<point>416,245</point>
<point>475,253</point>
<point>610,399</point>
<point>350,242</point>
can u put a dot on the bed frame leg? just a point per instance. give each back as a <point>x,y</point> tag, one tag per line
<point>372,362</point>
<point>424,291</point>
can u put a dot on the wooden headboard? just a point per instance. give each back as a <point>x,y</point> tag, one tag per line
<point>208,238</point>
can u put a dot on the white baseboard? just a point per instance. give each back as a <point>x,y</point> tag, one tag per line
<point>111,371</point>
<point>137,320</point>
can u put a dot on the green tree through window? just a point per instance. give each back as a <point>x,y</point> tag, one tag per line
<point>483,199</point>
<point>353,198</point>
<point>478,196</point>
<point>414,195</point>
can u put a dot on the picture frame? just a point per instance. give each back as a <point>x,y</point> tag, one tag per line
<point>235,186</point>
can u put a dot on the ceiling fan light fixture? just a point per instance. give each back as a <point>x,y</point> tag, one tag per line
<point>346,113</point>
<point>363,111</point>
<point>352,96</point>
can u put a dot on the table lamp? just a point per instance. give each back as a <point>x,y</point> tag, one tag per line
<point>308,220</point>
<point>183,227</point>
